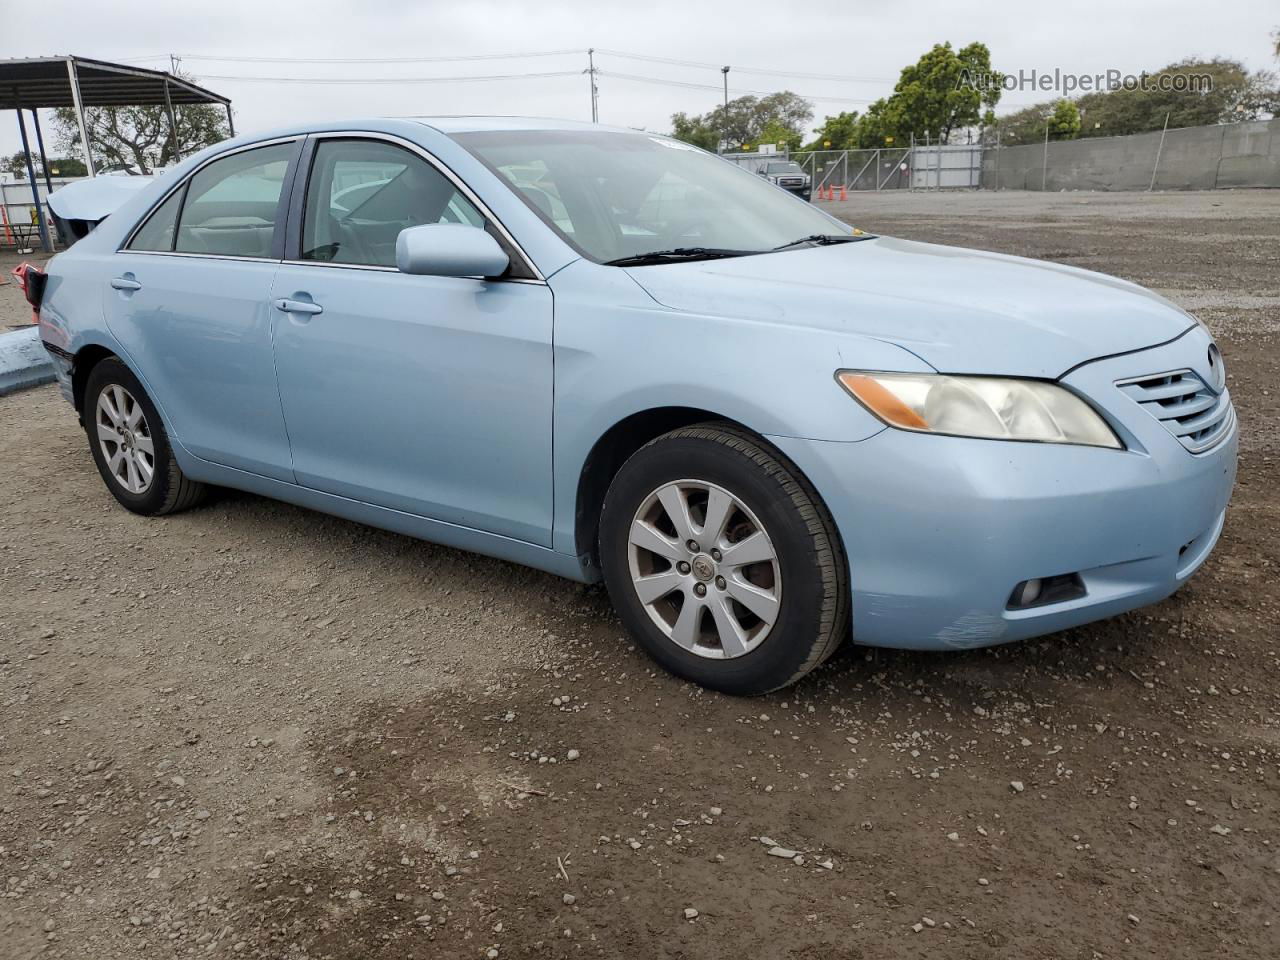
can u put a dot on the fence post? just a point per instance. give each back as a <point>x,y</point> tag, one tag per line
<point>877,169</point>
<point>1159,150</point>
<point>1044,170</point>
<point>997,158</point>
<point>1222,145</point>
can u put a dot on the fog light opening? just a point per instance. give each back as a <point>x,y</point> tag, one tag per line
<point>1027,592</point>
<point>1042,591</point>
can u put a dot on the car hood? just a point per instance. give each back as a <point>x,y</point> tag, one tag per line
<point>959,310</point>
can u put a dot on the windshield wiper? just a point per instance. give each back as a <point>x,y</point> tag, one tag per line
<point>825,239</point>
<point>675,255</point>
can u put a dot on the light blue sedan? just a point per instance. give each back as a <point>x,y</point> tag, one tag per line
<point>612,356</point>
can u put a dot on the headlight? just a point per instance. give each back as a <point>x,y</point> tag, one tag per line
<point>988,407</point>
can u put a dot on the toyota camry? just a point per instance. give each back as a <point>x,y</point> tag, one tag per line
<point>612,356</point>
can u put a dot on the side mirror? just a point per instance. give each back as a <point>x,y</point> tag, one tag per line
<point>449,250</point>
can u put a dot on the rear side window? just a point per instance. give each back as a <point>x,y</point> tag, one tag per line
<point>232,204</point>
<point>157,233</point>
<point>362,193</point>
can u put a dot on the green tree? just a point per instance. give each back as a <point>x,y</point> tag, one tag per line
<point>789,111</point>
<point>944,91</point>
<point>139,138</point>
<point>776,133</point>
<point>837,133</point>
<point>1064,121</point>
<point>694,130</point>
<point>1022,126</point>
<point>1231,93</point>
<point>58,166</point>
<point>778,118</point>
<point>737,123</point>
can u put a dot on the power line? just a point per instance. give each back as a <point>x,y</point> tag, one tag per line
<point>481,56</point>
<point>344,80</point>
<point>712,86</point>
<point>762,71</point>
<point>737,69</point>
<point>636,78</point>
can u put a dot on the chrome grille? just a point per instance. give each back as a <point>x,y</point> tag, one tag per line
<point>791,181</point>
<point>1188,407</point>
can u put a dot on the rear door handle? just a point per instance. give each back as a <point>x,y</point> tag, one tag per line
<point>285,305</point>
<point>125,283</point>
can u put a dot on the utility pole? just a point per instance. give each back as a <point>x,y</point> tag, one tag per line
<point>725,132</point>
<point>174,60</point>
<point>591,72</point>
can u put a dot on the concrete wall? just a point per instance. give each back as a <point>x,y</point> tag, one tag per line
<point>1243,154</point>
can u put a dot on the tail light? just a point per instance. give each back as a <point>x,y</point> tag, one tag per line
<point>32,281</point>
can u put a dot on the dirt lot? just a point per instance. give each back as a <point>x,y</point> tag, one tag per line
<point>255,731</point>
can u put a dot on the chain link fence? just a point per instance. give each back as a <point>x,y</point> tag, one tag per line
<point>1243,154</point>
<point>887,168</point>
<point>1229,155</point>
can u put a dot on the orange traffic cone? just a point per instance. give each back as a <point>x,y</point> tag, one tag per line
<point>844,194</point>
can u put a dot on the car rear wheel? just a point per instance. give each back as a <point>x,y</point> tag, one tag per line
<point>130,446</point>
<point>722,561</point>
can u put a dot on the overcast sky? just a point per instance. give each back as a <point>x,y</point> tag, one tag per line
<point>870,41</point>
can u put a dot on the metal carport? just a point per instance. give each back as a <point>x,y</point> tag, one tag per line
<point>77,82</point>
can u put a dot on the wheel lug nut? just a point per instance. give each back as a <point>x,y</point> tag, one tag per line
<point>715,555</point>
<point>720,582</point>
<point>700,589</point>
<point>693,546</point>
<point>682,567</point>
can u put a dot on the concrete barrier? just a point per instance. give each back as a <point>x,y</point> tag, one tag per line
<point>23,360</point>
<point>1245,154</point>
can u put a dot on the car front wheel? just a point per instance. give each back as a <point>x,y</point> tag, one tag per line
<point>130,446</point>
<point>722,561</point>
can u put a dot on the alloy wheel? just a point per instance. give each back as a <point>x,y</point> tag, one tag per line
<point>705,569</point>
<point>125,439</point>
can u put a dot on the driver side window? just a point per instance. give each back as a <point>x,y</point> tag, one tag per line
<point>362,193</point>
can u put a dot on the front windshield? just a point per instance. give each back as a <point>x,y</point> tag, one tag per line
<point>785,168</point>
<point>619,195</point>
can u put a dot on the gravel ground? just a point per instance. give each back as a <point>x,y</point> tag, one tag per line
<point>254,731</point>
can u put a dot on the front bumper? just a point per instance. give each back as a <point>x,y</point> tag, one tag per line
<point>939,530</point>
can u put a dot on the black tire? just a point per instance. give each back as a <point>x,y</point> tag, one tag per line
<point>813,614</point>
<point>170,490</point>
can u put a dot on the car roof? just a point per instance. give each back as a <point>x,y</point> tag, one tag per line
<point>477,124</point>
<point>443,125</point>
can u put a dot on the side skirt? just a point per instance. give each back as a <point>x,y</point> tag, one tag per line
<point>411,525</point>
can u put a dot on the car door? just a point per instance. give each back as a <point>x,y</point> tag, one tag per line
<point>189,301</point>
<point>426,394</point>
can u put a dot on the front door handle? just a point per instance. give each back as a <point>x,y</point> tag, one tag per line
<point>125,283</point>
<point>286,305</point>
